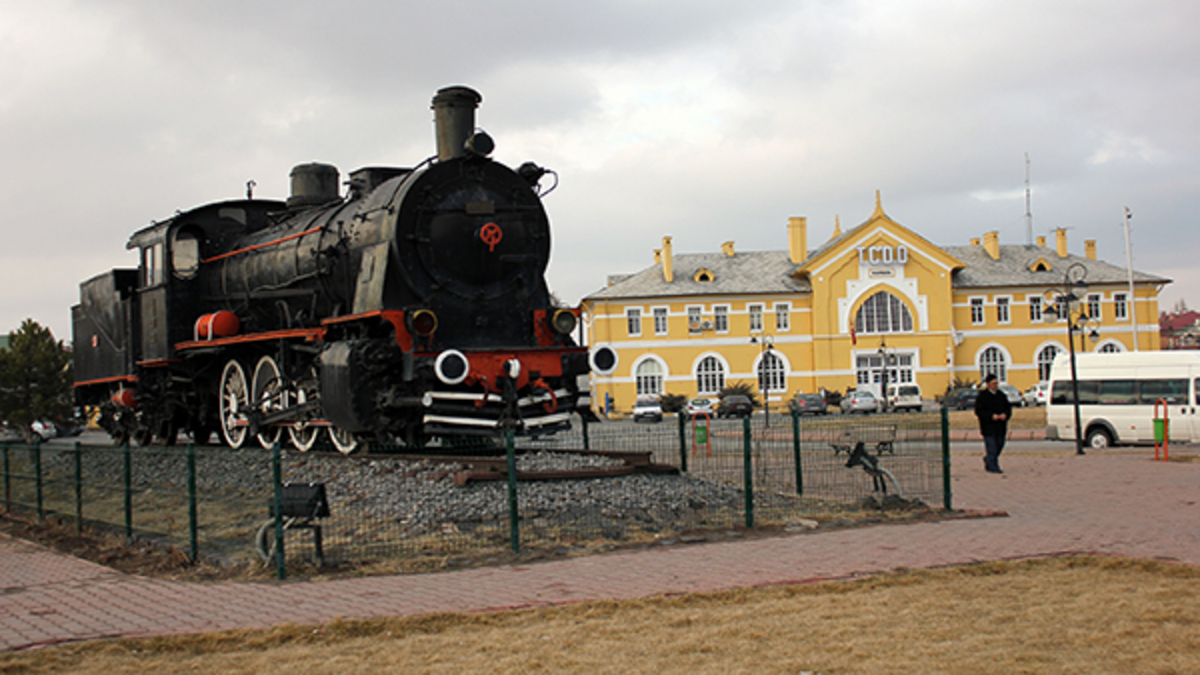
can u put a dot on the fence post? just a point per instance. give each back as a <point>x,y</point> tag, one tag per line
<point>946,458</point>
<point>583,423</point>
<point>748,472</point>
<point>514,519</point>
<point>128,494</point>
<point>191,484</point>
<point>37,474</point>
<point>78,487</point>
<point>683,441</point>
<point>7,482</point>
<point>277,480</point>
<point>796,452</point>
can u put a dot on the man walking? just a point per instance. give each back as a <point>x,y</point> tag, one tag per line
<point>993,410</point>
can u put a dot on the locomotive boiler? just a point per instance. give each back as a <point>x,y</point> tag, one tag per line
<point>415,306</point>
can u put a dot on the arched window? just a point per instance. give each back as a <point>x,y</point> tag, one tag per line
<point>649,378</point>
<point>883,313</point>
<point>772,376</point>
<point>993,361</point>
<point>1110,348</point>
<point>1045,359</point>
<point>710,376</point>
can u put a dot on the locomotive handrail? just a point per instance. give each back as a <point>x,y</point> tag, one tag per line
<point>264,244</point>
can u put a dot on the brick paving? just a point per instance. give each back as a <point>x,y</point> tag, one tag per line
<point>1118,502</point>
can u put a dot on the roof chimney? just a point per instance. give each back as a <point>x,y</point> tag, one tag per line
<point>667,263</point>
<point>1041,240</point>
<point>974,241</point>
<point>1089,248</point>
<point>727,249</point>
<point>1060,242</point>
<point>991,244</point>
<point>657,256</point>
<point>798,239</point>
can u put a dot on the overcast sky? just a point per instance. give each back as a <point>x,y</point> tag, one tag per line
<point>703,120</point>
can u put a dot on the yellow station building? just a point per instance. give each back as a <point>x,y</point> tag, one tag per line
<point>801,320</point>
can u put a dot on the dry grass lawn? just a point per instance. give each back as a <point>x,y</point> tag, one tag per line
<point>1062,615</point>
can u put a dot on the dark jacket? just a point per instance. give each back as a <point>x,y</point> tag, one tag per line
<point>988,404</point>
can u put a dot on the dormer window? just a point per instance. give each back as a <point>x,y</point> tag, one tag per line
<point>1039,265</point>
<point>703,276</point>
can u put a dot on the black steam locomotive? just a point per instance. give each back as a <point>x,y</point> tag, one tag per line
<point>414,307</point>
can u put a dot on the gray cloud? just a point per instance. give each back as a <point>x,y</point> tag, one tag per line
<point>701,120</point>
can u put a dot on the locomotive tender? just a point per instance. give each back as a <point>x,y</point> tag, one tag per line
<point>415,306</point>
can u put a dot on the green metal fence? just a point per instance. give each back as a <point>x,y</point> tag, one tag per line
<point>440,508</point>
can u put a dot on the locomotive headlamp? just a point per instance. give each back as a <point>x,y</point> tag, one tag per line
<point>480,143</point>
<point>423,322</point>
<point>564,321</point>
<point>452,366</point>
<point>603,360</point>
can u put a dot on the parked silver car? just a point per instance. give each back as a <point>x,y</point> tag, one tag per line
<point>857,401</point>
<point>1015,399</point>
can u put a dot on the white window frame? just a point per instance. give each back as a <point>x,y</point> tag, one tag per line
<point>775,379</point>
<point>695,315</point>
<point>657,381</point>
<point>1093,303</point>
<point>1043,361</point>
<point>705,377</point>
<point>664,313</point>
<point>1121,306</point>
<point>783,317</point>
<point>1004,310</point>
<point>633,321</point>
<point>1000,368</point>
<point>754,314</point>
<point>1035,308</point>
<point>721,318</point>
<point>978,311</point>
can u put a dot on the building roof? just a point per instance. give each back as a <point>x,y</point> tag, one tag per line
<point>746,272</point>
<point>1016,263</point>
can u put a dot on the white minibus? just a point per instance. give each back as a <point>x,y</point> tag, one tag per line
<point>1118,393</point>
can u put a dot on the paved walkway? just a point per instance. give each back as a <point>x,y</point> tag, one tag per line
<point>1118,502</point>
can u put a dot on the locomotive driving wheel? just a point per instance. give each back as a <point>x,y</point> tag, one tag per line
<point>268,398</point>
<point>345,441</point>
<point>233,404</point>
<point>302,432</point>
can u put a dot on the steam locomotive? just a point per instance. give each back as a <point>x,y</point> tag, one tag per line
<point>413,307</point>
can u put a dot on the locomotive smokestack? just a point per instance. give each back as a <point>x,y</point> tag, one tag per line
<point>454,118</point>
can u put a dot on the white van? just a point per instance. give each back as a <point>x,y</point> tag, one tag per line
<point>904,397</point>
<point>1121,393</point>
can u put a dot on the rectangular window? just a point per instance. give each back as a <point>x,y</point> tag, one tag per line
<point>633,321</point>
<point>1093,306</point>
<point>721,318</point>
<point>1121,306</point>
<point>660,320</point>
<point>694,319</point>
<point>1002,315</point>
<point>977,311</point>
<point>1035,309</point>
<point>152,265</point>
<point>756,312</point>
<point>783,316</point>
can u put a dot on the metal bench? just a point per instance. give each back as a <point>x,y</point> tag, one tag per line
<point>882,438</point>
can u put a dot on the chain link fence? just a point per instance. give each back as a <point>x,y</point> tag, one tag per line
<point>598,487</point>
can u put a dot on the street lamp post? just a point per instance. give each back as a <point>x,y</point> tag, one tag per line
<point>1064,305</point>
<point>764,386</point>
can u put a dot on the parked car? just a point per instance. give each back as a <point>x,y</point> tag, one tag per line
<point>1014,395</point>
<point>735,405</point>
<point>1036,395</point>
<point>809,404</point>
<point>859,401</point>
<point>904,397</point>
<point>700,405</point>
<point>647,408</point>
<point>961,399</point>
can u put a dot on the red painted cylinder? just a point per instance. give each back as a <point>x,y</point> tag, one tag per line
<point>218,324</point>
<point>125,398</point>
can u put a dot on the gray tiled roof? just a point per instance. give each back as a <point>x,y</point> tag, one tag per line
<point>764,272</point>
<point>752,272</point>
<point>1012,269</point>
